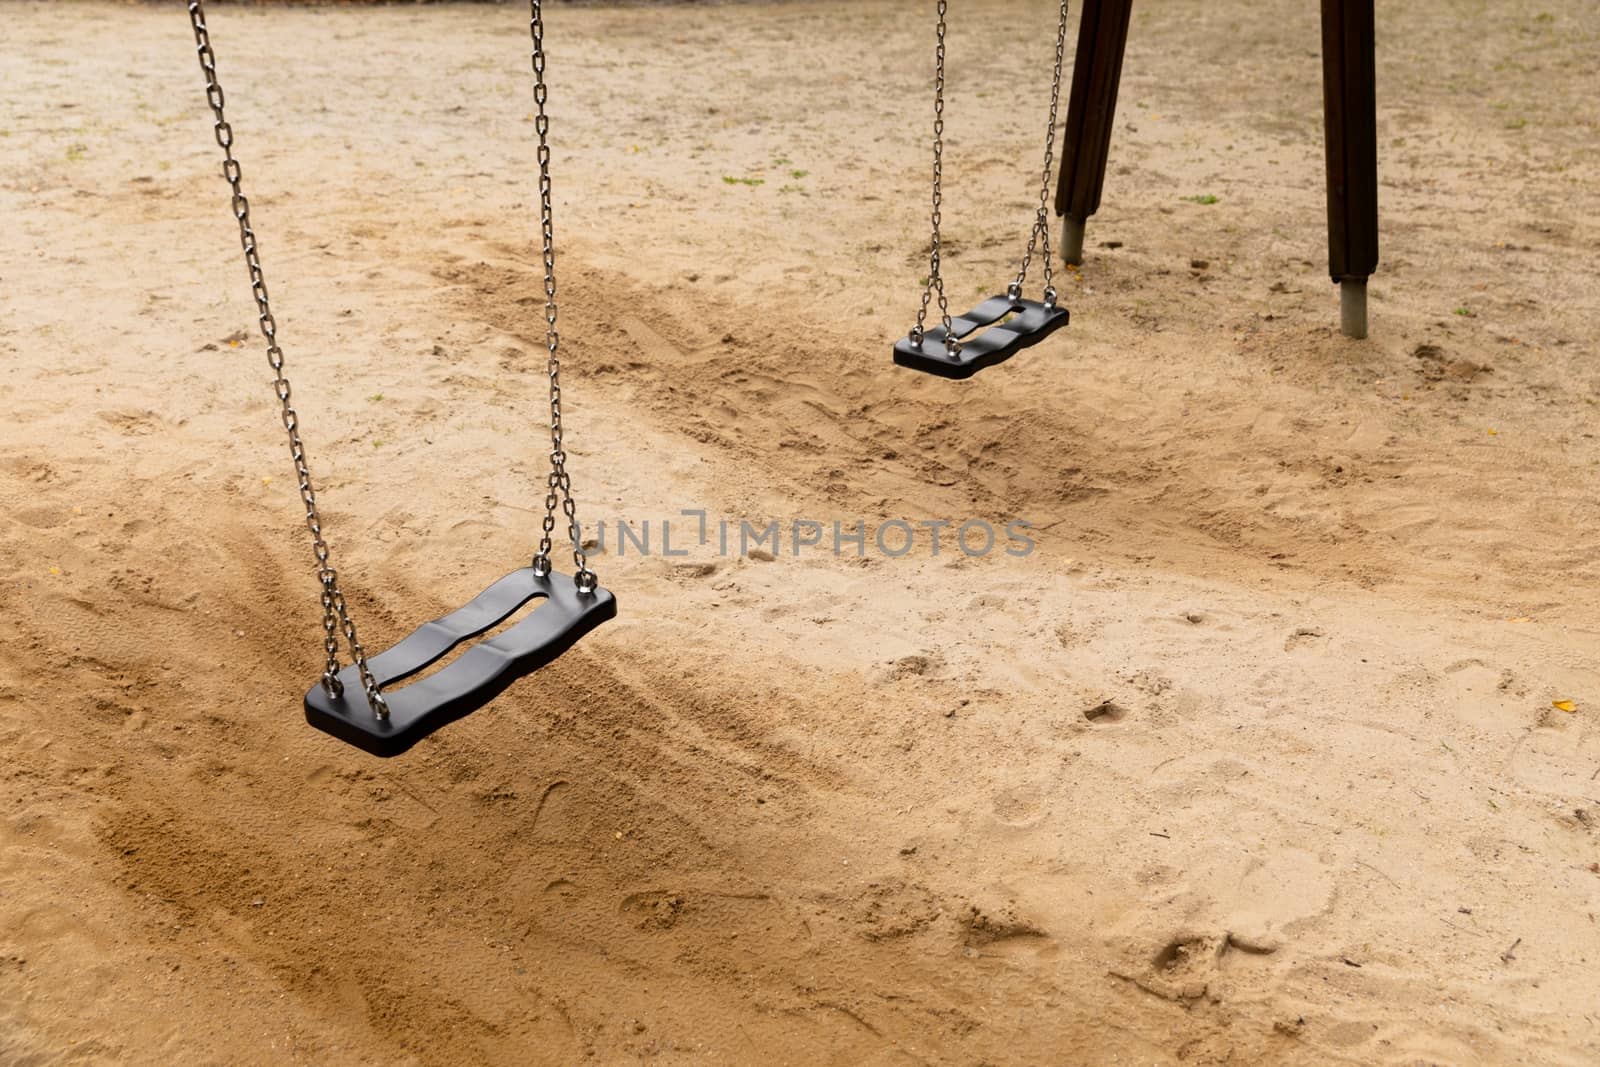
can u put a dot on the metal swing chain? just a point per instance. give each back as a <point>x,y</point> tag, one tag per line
<point>1041,225</point>
<point>952,343</point>
<point>559,481</point>
<point>335,614</point>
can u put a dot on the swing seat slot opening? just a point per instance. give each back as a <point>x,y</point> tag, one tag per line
<point>474,678</point>
<point>1031,322</point>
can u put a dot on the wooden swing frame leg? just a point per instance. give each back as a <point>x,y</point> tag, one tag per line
<point>1091,111</point>
<point>1350,123</point>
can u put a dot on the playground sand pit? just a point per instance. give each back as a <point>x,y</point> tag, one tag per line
<point>1280,746</point>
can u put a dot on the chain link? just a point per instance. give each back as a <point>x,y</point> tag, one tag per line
<point>335,613</point>
<point>952,343</point>
<point>558,487</point>
<point>1040,236</point>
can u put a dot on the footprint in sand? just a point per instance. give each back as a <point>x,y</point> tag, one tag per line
<point>655,909</point>
<point>1305,639</point>
<point>1020,807</point>
<point>1105,713</point>
<point>1189,963</point>
<point>1275,691</point>
<point>993,928</point>
<point>1487,697</point>
<point>1560,759</point>
<point>890,909</point>
<point>747,923</point>
<point>550,814</point>
<point>132,423</point>
<point>1191,622</point>
<point>1193,936</point>
<point>45,518</point>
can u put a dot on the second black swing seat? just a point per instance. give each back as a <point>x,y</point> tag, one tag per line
<point>1031,323</point>
<point>955,348</point>
<point>478,676</point>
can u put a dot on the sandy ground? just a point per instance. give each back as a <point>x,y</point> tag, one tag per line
<point>1255,759</point>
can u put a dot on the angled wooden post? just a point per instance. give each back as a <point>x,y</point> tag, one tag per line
<point>1096,70</point>
<point>1349,106</point>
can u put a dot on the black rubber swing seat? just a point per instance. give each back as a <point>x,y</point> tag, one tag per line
<point>1032,323</point>
<point>476,677</point>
